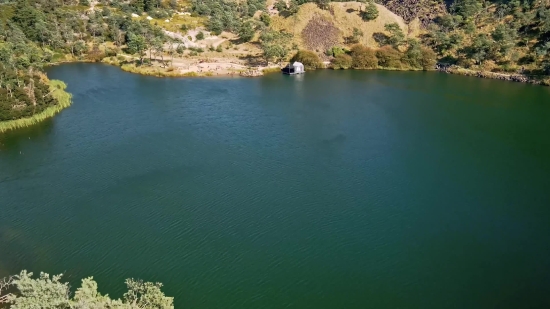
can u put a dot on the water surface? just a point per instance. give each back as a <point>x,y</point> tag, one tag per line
<point>329,190</point>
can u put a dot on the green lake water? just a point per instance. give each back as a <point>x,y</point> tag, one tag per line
<point>336,189</point>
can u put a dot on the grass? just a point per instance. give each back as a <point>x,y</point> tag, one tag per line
<point>58,92</point>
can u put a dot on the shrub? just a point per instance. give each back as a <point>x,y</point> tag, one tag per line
<point>370,12</point>
<point>265,18</point>
<point>428,60</point>
<point>388,57</point>
<point>309,59</point>
<point>341,61</point>
<point>200,36</point>
<point>363,57</point>
<point>335,51</point>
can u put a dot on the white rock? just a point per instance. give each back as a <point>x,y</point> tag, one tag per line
<point>149,18</point>
<point>134,15</point>
<point>167,21</point>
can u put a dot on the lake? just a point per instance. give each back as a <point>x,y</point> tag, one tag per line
<point>335,189</point>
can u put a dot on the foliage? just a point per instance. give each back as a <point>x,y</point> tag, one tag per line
<point>200,36</point>
<point>309,59</point>
<point>226,15</point>
<point>246,31</point>
<point>323,4</point>
<point>397,37</point>
<point>354,38</point>
<point>363,57</point>
<point>48,292</point>
<point>274,44</point>
<point>341,61</point>
<point>370,12</point>
<point>335,51</point>
<point>389,57</point>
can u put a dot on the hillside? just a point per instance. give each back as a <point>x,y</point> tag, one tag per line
<point>342,16</point>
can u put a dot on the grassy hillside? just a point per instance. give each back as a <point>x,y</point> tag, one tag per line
<point>343,16</point>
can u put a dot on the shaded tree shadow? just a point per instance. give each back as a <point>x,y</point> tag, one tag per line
<point>253,61</point>
<point>380,38</point>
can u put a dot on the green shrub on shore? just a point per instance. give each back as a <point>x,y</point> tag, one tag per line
<point>363,57</point>
<point>309,59</point>
<point>389,57</point>
<point>57,91</point>
<point>342,62</point>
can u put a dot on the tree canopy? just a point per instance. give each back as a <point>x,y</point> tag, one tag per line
<point>49,292</point>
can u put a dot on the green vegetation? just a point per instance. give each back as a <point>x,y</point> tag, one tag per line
<point>309,59</point>
<point>226,15</point>
<point>505,36</point>
<point>36,33</point>
<point>498,36</point>
<point>48,292</point>
<point>361,57</point>
<point>342,61</point>
<point>370,12</point>
<point>60,96</point>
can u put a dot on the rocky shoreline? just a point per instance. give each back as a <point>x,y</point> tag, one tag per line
<point>520,78</point>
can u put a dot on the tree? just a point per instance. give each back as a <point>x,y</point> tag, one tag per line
<point>47,292</point>
<point>428,59</point>
<point>323,4</point>
<point>137,45</point>
<point>274,44</point>
<point>280,5</point>
<point>466,8</point>
<point>397,37</point>
<point>370,12</point>
<point>265,18</point>
<point>246,31</point>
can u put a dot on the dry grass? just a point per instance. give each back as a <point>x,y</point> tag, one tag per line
<point>346,17</point>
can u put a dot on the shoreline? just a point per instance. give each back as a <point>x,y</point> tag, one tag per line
<point>63,98</point>
<point>516,77</point>
<point>247,71</point>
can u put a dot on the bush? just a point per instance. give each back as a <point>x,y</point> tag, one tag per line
<point>388,57</point>
<point>309,59</point>
<point>342,61</point>
<point>265,18</point>
<point>335,51</point>
<point>363,57</point>
<point>200,36</point>
<point>370,12</point>
<point>428,59</point>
